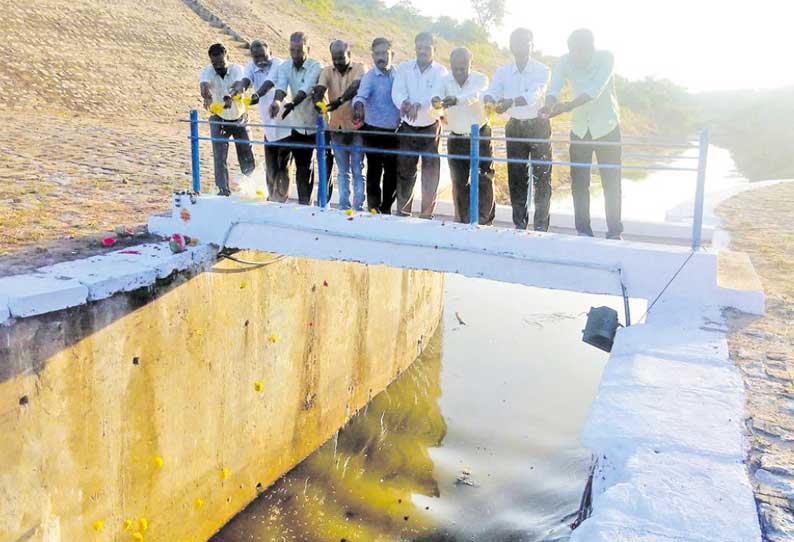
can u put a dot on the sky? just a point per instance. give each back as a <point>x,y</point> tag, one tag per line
<point>703,45</point>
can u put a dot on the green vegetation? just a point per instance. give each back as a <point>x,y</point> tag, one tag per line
<point>756,126</point>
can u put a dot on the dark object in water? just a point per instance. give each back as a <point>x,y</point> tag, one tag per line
<point>602,324</point>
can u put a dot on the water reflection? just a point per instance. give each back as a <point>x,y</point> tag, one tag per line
<point>477,441</point>
<point>359,485</point>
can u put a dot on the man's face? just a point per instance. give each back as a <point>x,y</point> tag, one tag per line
<point>261,56</point>
<point>581,54</point>
<point>521,46</point>
<point>219,62</point>
<point>298,51</point>
<point>341,58</point>
<point>425,51</point>
<point>460,68</point>
<point>382,56</point>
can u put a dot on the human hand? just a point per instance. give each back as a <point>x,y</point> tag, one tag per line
<point>333,105</point>
<point>414,113</point>
<point>254,99</point>
<point>274,108</point>
<point>358,114</point>
<point>504,105</point>
<point>450,101</point>
<point>436,102</point>
<point>288,108</point>
<point>207,102</point>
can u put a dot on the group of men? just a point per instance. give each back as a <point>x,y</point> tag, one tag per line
<point>400,108</point>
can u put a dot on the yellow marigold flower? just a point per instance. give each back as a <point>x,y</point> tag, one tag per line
<point>258,386</point>
<point>143,524</point>
<point>247,101</point>
<point>243,286</point>
<point>322,107</point>
<point>159,462</point>
<point>216,108</point>
<point>224,473</point>
<point>373,211</point>
<point>137,536</point>
<point>349,212</point>
<point>237,97</point>
<point>98,525</point>
<point>273,338</point>
<point>127,524</point>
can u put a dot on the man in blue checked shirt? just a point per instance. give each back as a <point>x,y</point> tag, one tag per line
<point>374,109</point>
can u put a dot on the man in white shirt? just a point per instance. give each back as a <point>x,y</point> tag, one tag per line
<point>460,94</point>
<point>260,75</point>
<point>518,89</point>
<point>414,87</point>
<point>297,77</point>
<point>229,118</point>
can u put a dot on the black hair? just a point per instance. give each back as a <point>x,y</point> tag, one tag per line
<point>581,36</point>
<point>299,36</point>
<point>425,36</point>
<point>522,32</point>
<point>377,42</point>
<point>216,49</point>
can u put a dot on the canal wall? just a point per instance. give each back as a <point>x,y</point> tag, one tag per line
<point>155,401</point>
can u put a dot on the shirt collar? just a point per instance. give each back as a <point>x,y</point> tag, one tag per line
<point>514,67</point>
<point>379,72</point>
<point>429,67</point>
<point>266,68</point>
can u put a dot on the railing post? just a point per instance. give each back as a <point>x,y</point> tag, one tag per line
<point>195,164</point>
<point>700,190</point>
<point>530,184</point>
<point>474,176</point>
<point>322,187</point>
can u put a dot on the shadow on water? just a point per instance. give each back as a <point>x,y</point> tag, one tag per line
<point>477,441</point>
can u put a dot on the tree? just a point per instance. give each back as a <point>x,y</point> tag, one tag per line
<point>489,13</point>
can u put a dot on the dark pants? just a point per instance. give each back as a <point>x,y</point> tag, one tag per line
<point>381,167</point>
<point>582,152</point>
<point>406,169</point>
<point>276,173</point>
<point>518,173</point>
<point>460,171</point>
<point>304,172</point>
<point>238,130</point>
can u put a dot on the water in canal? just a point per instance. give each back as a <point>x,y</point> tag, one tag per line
<point>478,441</point>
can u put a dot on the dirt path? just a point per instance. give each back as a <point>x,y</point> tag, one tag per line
<point>761,223</point>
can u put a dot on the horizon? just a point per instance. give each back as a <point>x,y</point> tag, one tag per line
<point>713,53</point>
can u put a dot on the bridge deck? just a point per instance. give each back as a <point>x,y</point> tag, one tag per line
<point>546,260</point>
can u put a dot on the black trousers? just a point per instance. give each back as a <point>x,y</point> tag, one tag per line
<point>238,130</point>
<point>424,139</point>
<point>381,168</point>
<point>304,172</point>
<point>582,152</point>
<point>518,174</point>
<point>277,173</point>
<point>460,171</point>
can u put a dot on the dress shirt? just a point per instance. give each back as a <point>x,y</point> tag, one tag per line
<point>337,83</point>
<point>293,80</point>
<point>508,82</point>
<point>375,94</point>
<point>258,76</point>
<point>417,86</point>
<point>222,86</point>
<point>601,115</point>
<point>469,109</point>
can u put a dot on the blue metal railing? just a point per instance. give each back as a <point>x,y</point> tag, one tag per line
<point>474,158</point>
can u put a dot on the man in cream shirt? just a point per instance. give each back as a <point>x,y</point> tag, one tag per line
<point>414,86</point>
<point>460,94</point>
<point>217,87</point>
<point>518,89</point>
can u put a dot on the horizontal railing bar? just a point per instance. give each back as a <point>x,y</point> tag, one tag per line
<point>436,155</point>
<point>446,135</point>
